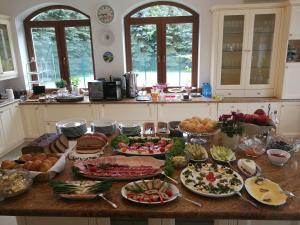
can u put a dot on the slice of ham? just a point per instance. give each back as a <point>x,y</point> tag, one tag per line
<point>133,161</point>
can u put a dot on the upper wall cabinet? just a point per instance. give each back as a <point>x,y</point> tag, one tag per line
<point>244,58</point>
<point>8,68</point>
<point>294,21</point>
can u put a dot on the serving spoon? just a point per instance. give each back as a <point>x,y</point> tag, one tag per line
<point>290,194</point>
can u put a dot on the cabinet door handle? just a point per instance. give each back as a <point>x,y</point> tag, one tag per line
<point>1,112</point>
<point>229,93</point>
<point>286,67</point>
<point>258,93</point>
<point>290,35</point>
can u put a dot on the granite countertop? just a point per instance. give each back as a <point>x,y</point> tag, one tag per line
<point>193,100</point>
<point>40,200</point>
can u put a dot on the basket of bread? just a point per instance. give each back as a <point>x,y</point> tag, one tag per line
<point>43,158</point>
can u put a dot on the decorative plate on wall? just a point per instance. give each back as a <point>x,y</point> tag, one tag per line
<point>108,57</point>
<point>106,37</point>
<point>105,14</point>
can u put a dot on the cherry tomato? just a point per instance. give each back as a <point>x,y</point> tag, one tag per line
<point>162,142</point>
<point>162,149</point>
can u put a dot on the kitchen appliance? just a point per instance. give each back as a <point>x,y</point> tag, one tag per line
<point>131,84</point>
<point>96,90</point>
<point>112,90</point>
<point>10,94</point>
<point>37,90</point>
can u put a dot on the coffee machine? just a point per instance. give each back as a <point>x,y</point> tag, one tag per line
<point>113,89</point>
<point>131,84</point>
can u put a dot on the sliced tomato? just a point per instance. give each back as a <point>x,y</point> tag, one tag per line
<point>169,192</point>
<point>124,149</point>
<point>122,145</point>
<point>149,144</point>
<point>93,169</point>
<point>162,142</point>
<point>162,149</point>
<point>151,151</point>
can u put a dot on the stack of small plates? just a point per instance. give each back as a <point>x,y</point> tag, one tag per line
<point>72,128</point>
<point>105,127</point>
<point>130,129</point>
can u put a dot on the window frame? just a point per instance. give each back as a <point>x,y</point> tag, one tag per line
<point>59,26</point>
<point>161,23</point>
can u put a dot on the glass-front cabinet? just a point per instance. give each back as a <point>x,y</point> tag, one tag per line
<point>7,58</point>
<point>244,52</point>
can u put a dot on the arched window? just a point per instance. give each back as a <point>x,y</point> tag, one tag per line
<point>59,46</point>
<point>162,44</point>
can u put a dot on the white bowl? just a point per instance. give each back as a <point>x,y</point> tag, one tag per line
<point>278,157</point>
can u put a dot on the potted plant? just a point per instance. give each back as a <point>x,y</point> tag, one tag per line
<point>231,127</point>
<point>61,85</point>
<point>75,84</point>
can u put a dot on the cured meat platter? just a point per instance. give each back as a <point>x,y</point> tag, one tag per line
<point>119,167</point>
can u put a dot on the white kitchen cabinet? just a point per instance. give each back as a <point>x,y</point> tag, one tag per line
<point>32,117</point>
<point>244,58</point>
<point>291,81</point>
<point>55,113</point>
<point>294,20</point>
<point>129,112</point>
<point>11,133</point>
<point>8,69</point>
<point>289,118</point>
<point>227,108</point>
<point>177,112</point>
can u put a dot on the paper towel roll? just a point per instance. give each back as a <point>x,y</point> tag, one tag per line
<point>10,94</point>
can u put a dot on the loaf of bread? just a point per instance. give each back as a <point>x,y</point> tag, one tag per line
<point>47,143</point>
<point>91,143</point>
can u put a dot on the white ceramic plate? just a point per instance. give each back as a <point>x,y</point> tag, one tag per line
<point>258,169</point>
<point>206,194</point>
<point>251,192</point>
<point>172,186</point>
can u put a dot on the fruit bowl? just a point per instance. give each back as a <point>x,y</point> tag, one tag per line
<point>278,157</point>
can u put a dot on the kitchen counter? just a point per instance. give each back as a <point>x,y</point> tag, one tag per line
<point>40,201</point>
<point>193,100</point>
<point>5,102</point>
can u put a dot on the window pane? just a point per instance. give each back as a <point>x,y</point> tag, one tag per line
<point>5,51</point>
<point>161,11</point>
<point>144,53</point>
<point>59,14</point>
<point>45,49</point>
<point>262,48</point>
<point>179,39</point>
<point>80,54</point>
<point>233,35</point>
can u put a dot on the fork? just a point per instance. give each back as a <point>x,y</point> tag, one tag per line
<point>245,199</point>
<point>189,200</point>
<point>108,201</point>
<point>170,178</point>
<point>290,194</point>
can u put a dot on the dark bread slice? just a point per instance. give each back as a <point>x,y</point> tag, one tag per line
<point>59,146</point>
<point>53,148</point>
<point>63,140</point>
<point>41,144</point>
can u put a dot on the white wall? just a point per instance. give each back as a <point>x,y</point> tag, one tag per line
<point>19,9</point>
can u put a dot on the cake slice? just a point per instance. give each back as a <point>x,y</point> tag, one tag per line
<point>248,166</point>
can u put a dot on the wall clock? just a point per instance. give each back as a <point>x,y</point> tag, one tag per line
<point>105,14</point>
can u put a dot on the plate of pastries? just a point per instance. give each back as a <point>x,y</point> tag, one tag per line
<point>200,126</point>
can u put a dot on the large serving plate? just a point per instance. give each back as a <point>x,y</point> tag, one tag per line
<point>72,128</point>
<point>265,191</point>
<point>192,175</point>
<point>83,192</point>
<point>155,154</point>
<point>119,168</point>
<point>172,187</point>
<point>199,134</point>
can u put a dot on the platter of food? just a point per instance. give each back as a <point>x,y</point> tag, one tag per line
<point>265,191</point>
<point>146,146</point>
<point>196,152</point>
<point>211,180</point>
<point>199,127</point>
<point>119,167</point>
<point>13,183</point>
<point>78,190</point>
<point>222,154</point>
<point>150,192</point>
<point>41,166</point>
